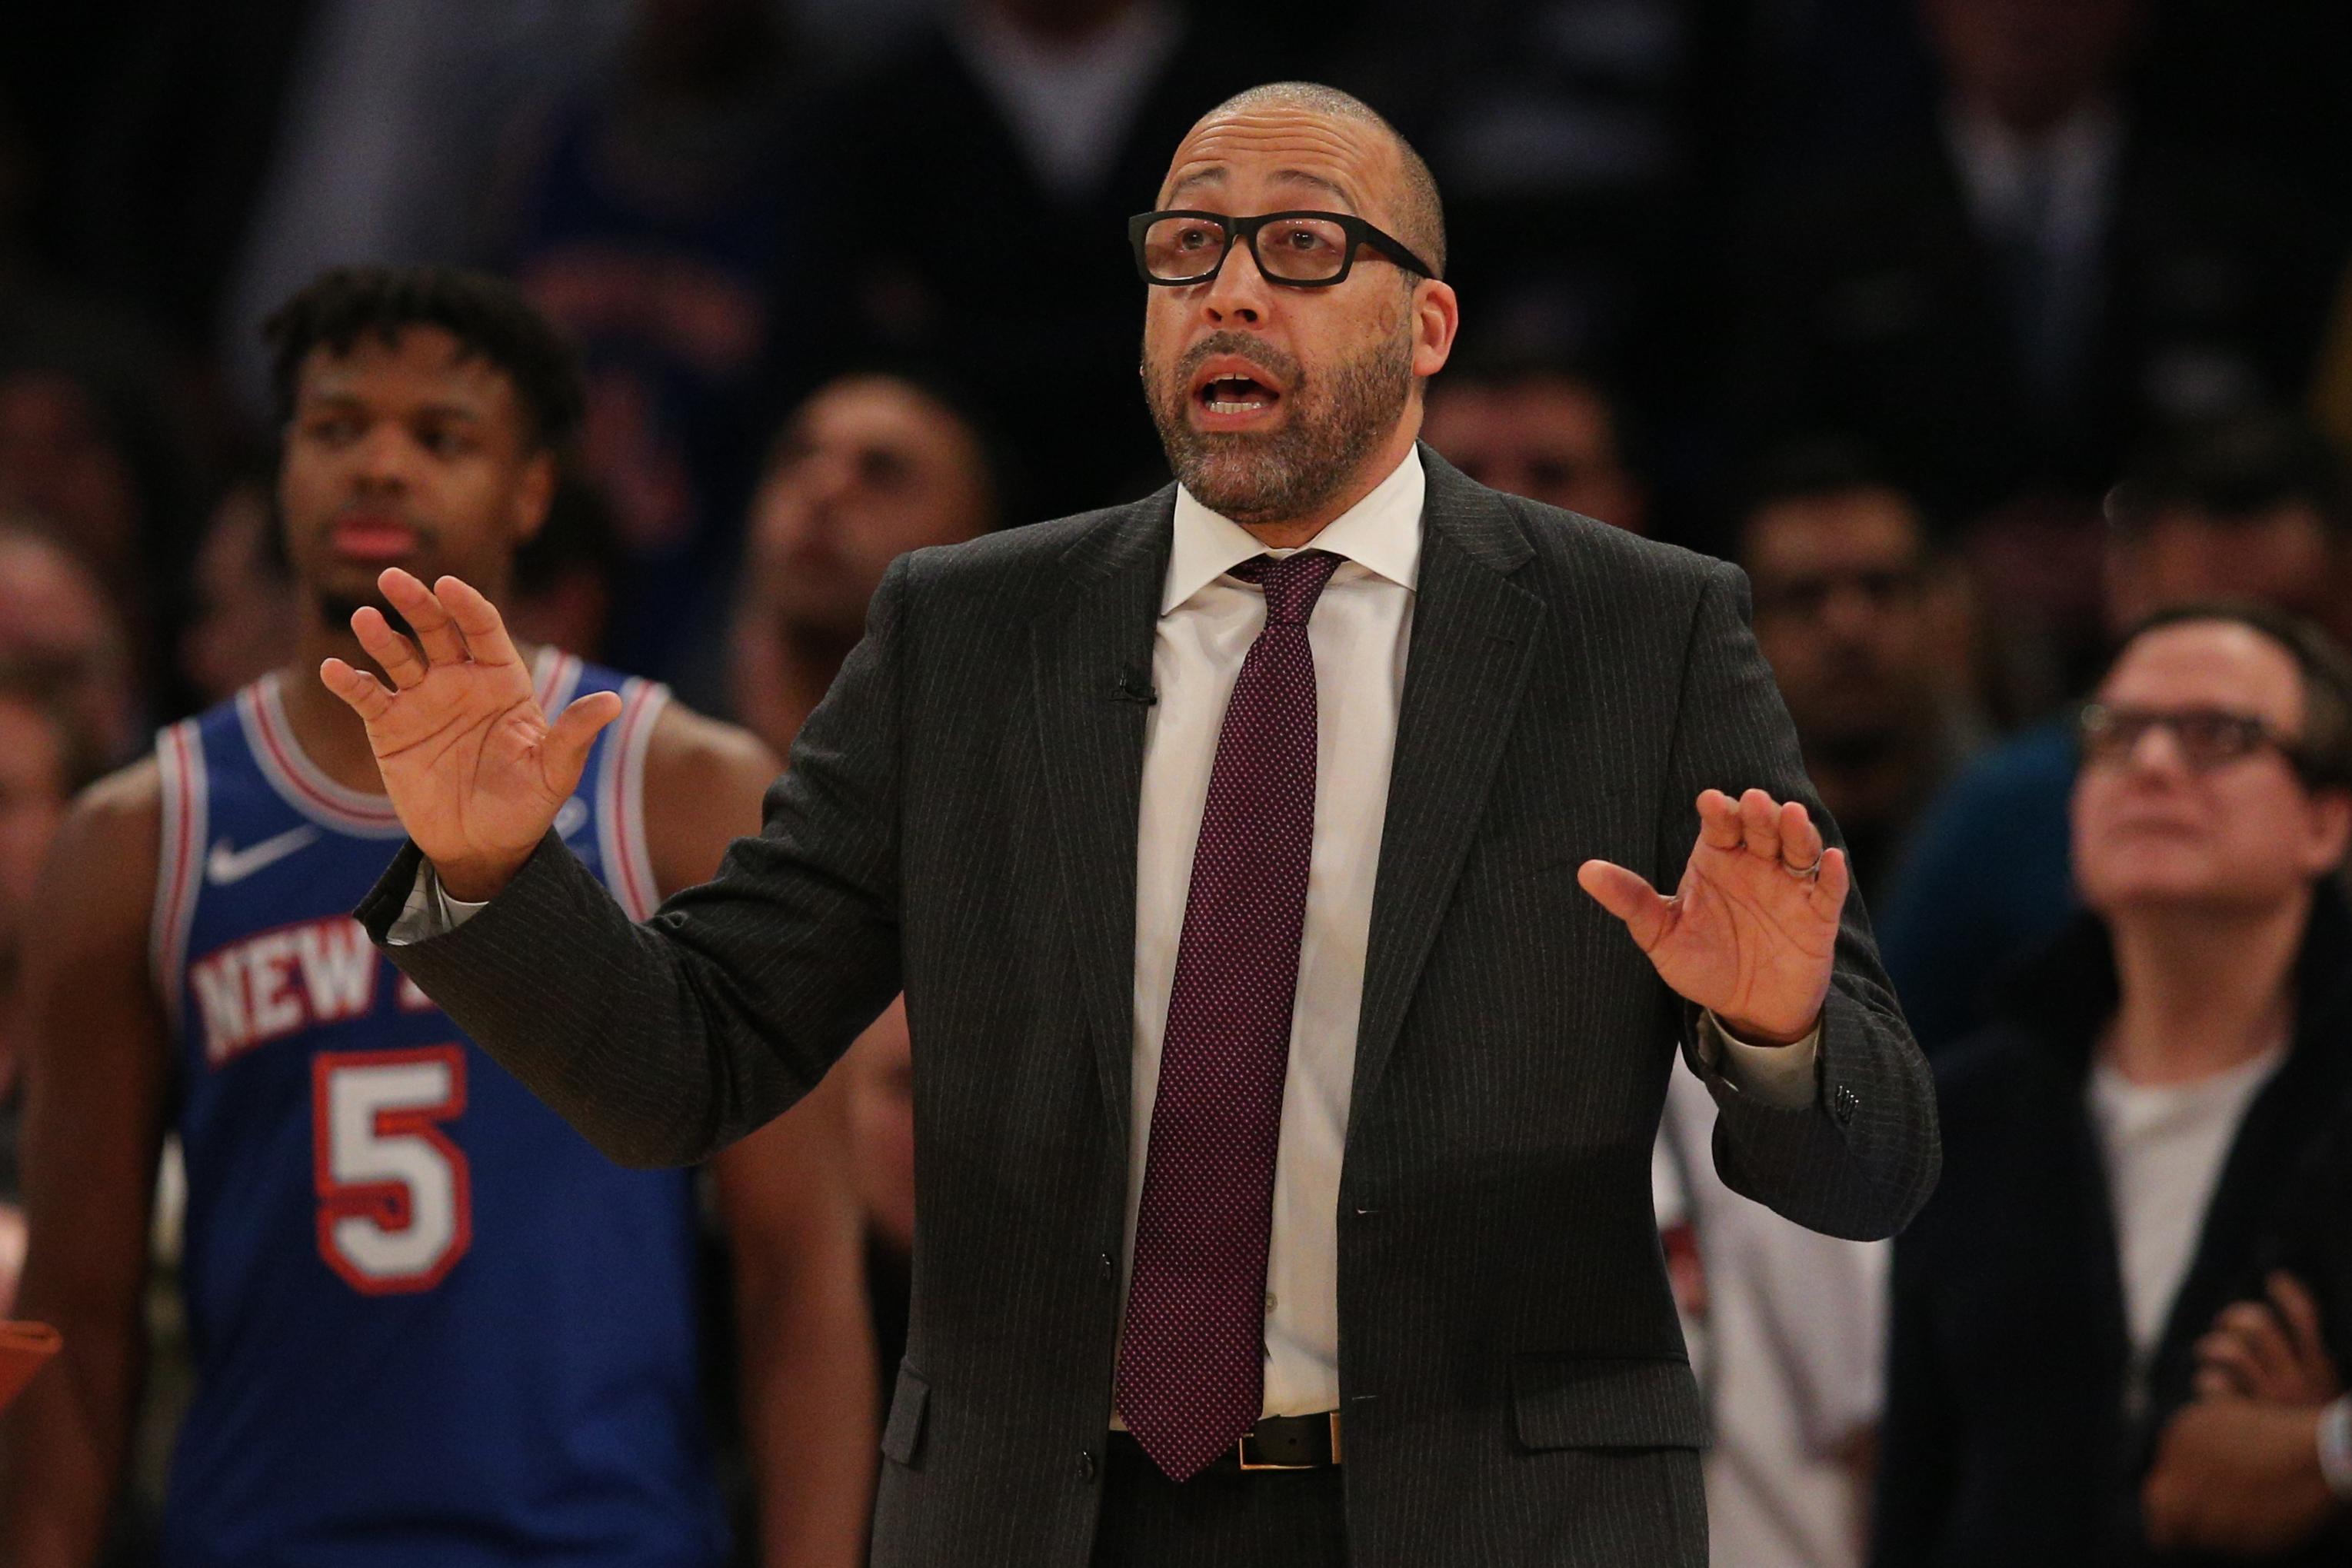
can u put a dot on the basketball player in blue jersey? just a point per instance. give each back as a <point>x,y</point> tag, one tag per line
<point>432,1325</point>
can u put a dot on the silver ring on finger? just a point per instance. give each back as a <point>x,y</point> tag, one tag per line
<point>1805,873</point>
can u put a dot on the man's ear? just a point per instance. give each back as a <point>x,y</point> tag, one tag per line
<point>2331,830</point>
<point>534,496</point>
<point>1436,319</point>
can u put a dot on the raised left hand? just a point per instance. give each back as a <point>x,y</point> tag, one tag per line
<point>1752,933</point>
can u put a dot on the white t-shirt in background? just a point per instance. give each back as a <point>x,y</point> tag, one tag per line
<point>2163,1145</point>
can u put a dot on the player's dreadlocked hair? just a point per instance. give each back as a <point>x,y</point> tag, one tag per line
<point>486,315</point>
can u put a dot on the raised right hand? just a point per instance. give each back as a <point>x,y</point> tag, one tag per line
<point>472,765</point>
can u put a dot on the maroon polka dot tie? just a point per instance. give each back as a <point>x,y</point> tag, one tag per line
<point>1192,1362</point>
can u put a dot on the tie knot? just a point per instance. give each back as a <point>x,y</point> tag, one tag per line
<point>1292,584</point>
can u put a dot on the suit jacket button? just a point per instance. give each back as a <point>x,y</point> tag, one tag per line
<point>1086,1464</point>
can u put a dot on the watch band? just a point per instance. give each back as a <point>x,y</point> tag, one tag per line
<point>2336,1448</point>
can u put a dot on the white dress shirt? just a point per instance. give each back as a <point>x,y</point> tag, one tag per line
<point>1361,633</point>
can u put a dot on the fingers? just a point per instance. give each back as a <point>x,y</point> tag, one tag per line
<point>478,621</point>
<point>1834,880</point>
<point>2299,1314</point>
<point>1801,841</point>
<point>1718,820</point>
<point>574,732</point>
<point>1630,899</point>
<point>365,693</point>
<point>394,653</point>
<point>1760,822</point>
<point>2247,1341</point>
<point>1769,830</point>
<point>436,632</point>
<point>2217,1382</point>
<point>2258,1329</point>
<point>2224,1370</point>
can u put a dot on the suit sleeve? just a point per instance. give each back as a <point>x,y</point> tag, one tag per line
<point>665,1042</point>
<point>1861,1155</point>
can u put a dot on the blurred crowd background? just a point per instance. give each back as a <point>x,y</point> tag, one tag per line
<point>1975,329</point>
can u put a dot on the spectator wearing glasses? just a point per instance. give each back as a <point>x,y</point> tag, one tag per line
<point>1851,616</point>
<point>2251,507</point>
<point>2115,1141</point>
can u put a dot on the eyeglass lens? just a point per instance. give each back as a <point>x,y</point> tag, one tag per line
<point>1297,250</point>
<point>2208,737</point>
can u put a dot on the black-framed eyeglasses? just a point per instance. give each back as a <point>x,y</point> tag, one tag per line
<point>1297,249</point>
<point>2208,738</point>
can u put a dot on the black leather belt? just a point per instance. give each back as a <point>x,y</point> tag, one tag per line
<point>1275,1443</point>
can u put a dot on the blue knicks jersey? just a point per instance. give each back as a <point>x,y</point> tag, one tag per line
<point>432,1324</point>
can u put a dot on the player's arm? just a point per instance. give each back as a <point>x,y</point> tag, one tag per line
<point>96,1073</point>
<point>807,1339</point>
<point>790,1213</point>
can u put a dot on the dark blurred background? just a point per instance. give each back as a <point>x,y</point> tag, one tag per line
<point>1997,244</point>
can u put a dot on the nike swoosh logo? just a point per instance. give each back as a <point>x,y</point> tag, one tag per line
<point>227,866</point>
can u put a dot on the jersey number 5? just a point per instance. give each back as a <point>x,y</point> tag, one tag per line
<point>395,1209</point>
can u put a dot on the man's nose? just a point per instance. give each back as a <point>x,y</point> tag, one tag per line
<point>826,477</point>
<point>385,456</point>
<point>2157,751</point>
<point>1239,292</point>
<point>1849,610</point>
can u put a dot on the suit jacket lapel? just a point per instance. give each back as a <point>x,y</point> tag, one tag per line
<point>1091,653</point>
<point>1473,637</point>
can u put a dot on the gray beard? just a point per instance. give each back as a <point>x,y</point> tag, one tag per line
<point>1339,420</point>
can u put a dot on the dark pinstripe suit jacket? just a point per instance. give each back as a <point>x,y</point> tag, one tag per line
<point>960,821</point>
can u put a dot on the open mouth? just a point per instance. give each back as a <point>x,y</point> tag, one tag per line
<point>1237,394</point>
<point>1229,390</point>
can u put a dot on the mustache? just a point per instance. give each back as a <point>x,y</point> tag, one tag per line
<point>1265,356</point>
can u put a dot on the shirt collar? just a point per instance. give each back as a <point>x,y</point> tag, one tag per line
<point>2075,159</point>
<point>1380,533</point>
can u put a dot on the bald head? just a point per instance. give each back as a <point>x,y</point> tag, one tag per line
<point>1281,402</point>
<point>1407,190</point>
